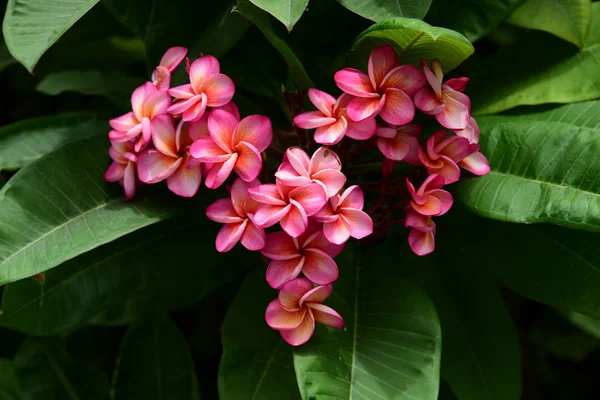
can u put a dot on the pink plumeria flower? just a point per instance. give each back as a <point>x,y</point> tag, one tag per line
<point>233,145</point>
<point>386,90</point>
<point>123,168</point>
<point>400,143</point>
<point>430,199</point>
<point>471,132</point>
<point>475,162</point>
<point>171,158</point>
<point>343,217</point>
<point>287,205</point>
<point>331,119</point>
<point>161,77</point>
<point>207,88</point>
<point>310,253</point>
<point>147,102</point>
<point>441,155</point>
<point>451,108</point>
<point>297,308</point>
<point>421,237</point>
<point>323,168</point>
<point>237,213</point>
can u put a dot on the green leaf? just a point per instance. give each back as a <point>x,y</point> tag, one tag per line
<point>413,40</point>
<point>474,19</point>
<point>258,363</point>
<point>587,324</point>
<point>31,27</point>
<point>9,385</point>
<point>390,346</point>
<point>567,19</point>
<point>153,267</point>
<point>548,70</point>
<point>286,11</point>
<point>381,10</point>
<point>59,207</point>
<point>262,22</point>
<point>27,140</point>
<point>154,362</point>
<point>5,58</point>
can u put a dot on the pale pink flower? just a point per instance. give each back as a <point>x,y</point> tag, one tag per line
<point>287,205</point>
<point>323,168</point>
<point>386,90</point>
<point>310,253</point>
<point>400,143</point>
<point>161,77</point>
<point>207,88</point>
<point>331,119</point>
<point>475,162</point>
<point>471,132</point>
<point>430,199</point>
<point>147,102</point>
<point>233,145</point>
<point>343,217</point>
<point>237,213</point>
<point>421,237</point>
<point>123,168</point>
<point>451,108</point>
<point>441,155</point>
<point>297,308</point>
<point>171,158</point>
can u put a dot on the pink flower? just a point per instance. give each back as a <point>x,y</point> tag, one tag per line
<point>233,145</point>
<point>207,88</point>
<point>471,132</point>
<point>147,102</point>
<point>400,143</point>
<point>451,108</point>
<point>323,168</point>
<point>297,308</point>
<point>421,237</point>
<point>386,90</point>
<point>171,159</point>
<point>475,162</point>
<point>310,253</point>
<point>161,77</point>
<point>287,205</point>
<point>441,155</point>
<point>343,217</point>
<point>237,213</point>
<point>430,199</point>
<point>123,168</point>
<point>331,119</point>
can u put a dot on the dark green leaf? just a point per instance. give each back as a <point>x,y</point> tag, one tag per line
<point>286,11</point>
<point>5,58</point>
<point>385,9</point>
<point>585,323</point>
<point>9,385</point>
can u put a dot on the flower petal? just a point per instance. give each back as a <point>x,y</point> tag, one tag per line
<point>444,197</point>
<point>185,181</point>
<point>354,82</point>
<point>287,175</point>
<point>220,172</point>
<point>221,125</point>
<point>229,235</point>
<point>163,135</point>
<point>312,119</point>
<point>239,194</point>
<point>353,197</point>
<point>256,130</point>
<point>222,211</point>
<point>249,162</point>
<point>124,122</point>
<point>173,57</point>
<point>326,315</point>
<point>115,172</point>
<point>381,61</point>
<point>320,242</point>
<point>219,90</point>
<point>361,225</point>
<point>324,158</point>
<point>182,92</point>
<point>471,132</point>
<point>434,81</point>
<point>333,181</point>
<point>449,170</point>
<point>311,198</point>
<point>333,133</point>
<point>294,223</point>
<point>202,68</point>
<point>129,181</point>
<point>398,108</point>
<point>137,99</point>
<point>266,194</point>
<point>319,267</point>
<point>432,206</point>
<point>323,101</point>
<point>154,166</point>
<point>426,101</point>
<point>302,333</point>
<point>268,214</point>
<point>195,112</point>
<point>206,150</point>
<point>456,114</point>
<point>420,222</point>
<point>421,243</point>
<point>292,292</point>
<point>407,78</point>
<point>361,108</point>
<point>362,130</point>
<point>279,318</point>
<point>338,231</point>
<point>476,163</point>
<point>280,246</point>
<point>156,103</point>
<point>254,237</point>
<point>316,295</point>
<point>458,84</point>
<point>181,106</point>
<point>281,272</point>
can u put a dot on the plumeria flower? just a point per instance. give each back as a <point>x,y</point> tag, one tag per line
<point>343,217</point>
<point>441,155</point>
<point>233,145</point>
<point>451,108</point>
<point>297,308</point>
<point>475,162</point>
<point>171,159</point>
<point>331,119</point>
<point>161,77</point>
<point>421,237</point>
<point>287,205</point>
<point>310,253</point>
<point>386,90</point>
<point>323,168</point>
<point>237,213</point>
<point>430,199</point>
<point>207,88</point>
<point>123,168</point>
<point>400,143</point>
<point>147,102</point>
<point>471,132</point>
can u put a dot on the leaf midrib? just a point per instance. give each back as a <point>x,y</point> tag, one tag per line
<point>496,172</point>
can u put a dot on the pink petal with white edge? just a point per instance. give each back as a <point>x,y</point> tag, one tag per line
<point>268,215</point>
<point>302,333</point>
<point>279,318</point>
<point>407,78</point>
<point>311,197</point>
<point>362,130</point>
<point>333,133</point>
<point>361,225</point>
<point>338,231</point>
<point>421,243</point>
<point>153,166</point>
<point>353,197</point>
<point>354,82</point>
<point>256,130</point>
<point>253,238</point>
<point>195,112</point>
<point>219,90</point>
<point>220,172</point>
<point>281,272</point>
<point>182,92</point>
<point>173,57</point>
<point>129,181</point>
<point>292,292</point>
<point>426,101</point>
<point>476,163</point>
<point>137,99</point>
<point>456,114</point>
<point>381,61</point>
<point>327,316</point>
<point>398,108</point>
<point>202,68</point>
<point>124,122</point>
<point>323,101</point>
<point>360,109</point>
<point>223,211</point>
<point>185,181</point>
<point>206,150</point>
<point>316,295</point>
<point>221,125</point>
<point>324,158</point>
<point>229,235</point>
<point>312,119</point>
<point>319,267</point>
<point>249,162</point>
<point>280,246</point>
<point>163,135</point>
<point>115,172</point>
<point>333,181</point>
<point>267,193</point>
<point>294,223</point>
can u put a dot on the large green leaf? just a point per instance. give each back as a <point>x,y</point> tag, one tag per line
<point>543,170</point>
<point>9,384</point>
<point>59,207</point>
<point>390,346</point>
<point>5,58</point>
<point>413,40</point>
<point>585,323</point>
<point>567,19</point>
<point>474,19</point>
<point>258,363</point>
<point>26,141</point>
<point>30,27</point>
<point>381,10</point>
<point>539,69</point>
<point>286,11</point>
<point>154,362</point>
